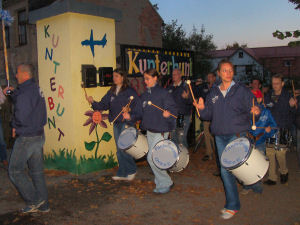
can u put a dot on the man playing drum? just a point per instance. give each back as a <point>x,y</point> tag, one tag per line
<point>229,107</point>
<point>282,107</point>
<point>179,91</point>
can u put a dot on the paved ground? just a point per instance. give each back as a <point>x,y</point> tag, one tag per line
<point>196,198</point>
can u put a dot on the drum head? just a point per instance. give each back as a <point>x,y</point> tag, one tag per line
<point>127,138</point>
<point>235,153</point>
<point>165,154</point>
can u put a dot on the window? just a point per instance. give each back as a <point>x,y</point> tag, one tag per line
<point>22,27</point>
<point>7,37</point>
<point>241,54</point>
<point>248,69</point>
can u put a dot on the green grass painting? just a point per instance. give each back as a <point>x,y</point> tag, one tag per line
<point>66,160</point>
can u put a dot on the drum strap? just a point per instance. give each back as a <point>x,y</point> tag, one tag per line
<point>255,138</point>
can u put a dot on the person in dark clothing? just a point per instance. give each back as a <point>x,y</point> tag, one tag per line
<point>158,124</point>
<point>3,155</point>
<point>180,93</point>
<point>229,107</point>
<point>297,123</point>
<point>29,119</point>
<point>115,99</point>
<point>282,107</point>
<point>209,139</point>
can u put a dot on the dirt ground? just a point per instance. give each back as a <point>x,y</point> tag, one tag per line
<point>196,198</point>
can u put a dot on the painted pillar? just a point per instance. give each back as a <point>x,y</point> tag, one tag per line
<point>65,42</point>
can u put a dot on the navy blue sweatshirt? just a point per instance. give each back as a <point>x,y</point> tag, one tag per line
<point>114,103</point>
<point>280,108</point>
<point>30,115</point>
<point>229,115</point>
<point>153,119</point>
<point>184,105</point>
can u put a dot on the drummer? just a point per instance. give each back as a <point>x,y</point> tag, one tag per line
<point>265,123</point>
<point>115,99</point>
<point>282,106</point>
<point>229,107</point>
<point>179,91</point>
<point>158,124</point>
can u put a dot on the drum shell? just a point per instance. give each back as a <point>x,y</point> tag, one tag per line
<point>182,161</point>
<point>280,140</point>
<point>138,148</point>
<point>252,169</point>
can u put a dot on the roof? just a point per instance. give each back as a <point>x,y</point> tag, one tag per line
<point>258,53</point>
<point>62,6</point>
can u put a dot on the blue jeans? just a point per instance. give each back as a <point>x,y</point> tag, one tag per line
<point>3,155</point>
<point>162,178</point>
<point>229,180</point>
<point>127,164</point>
<point>28,151</point>
<point>257,187</point>
<point>179,135</point>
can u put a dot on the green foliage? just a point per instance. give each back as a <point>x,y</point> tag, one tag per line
<point>66,160</point>
<point>235,46</point>
<point>173,36</point>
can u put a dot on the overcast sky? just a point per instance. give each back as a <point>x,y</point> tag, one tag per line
<point>249,22</point>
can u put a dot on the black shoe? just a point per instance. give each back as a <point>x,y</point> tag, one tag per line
<point>270,182</point>
<point>206,157</point>
<point>284,178</point>
<point>217,173</point>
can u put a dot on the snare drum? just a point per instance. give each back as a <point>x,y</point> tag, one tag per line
<point>183,161</point>
<point>247,164</point>
<point>167,155</point>
<point>281,139</point>
<point>133,143</point>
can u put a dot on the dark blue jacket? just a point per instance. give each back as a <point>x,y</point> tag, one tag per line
<point>281,110</point>
<point>229,115</point>
<point>265,119</point>
<point>297,116</point>
<point>153,119</point>
<point>184,106</point>
<point>30,115</point>
<point>114,103</point>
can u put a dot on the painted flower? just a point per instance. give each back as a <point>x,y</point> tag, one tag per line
<point>95,118</point>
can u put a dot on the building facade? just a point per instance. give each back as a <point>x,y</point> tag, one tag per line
<point>139,24</point>
<point>262,62</point>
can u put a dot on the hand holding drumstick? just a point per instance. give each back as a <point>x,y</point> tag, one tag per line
<point>255,111</point>
<point>194,101</point>
<point>125,110</point>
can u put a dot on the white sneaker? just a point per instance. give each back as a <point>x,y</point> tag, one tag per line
<point>119,178</point>
<point>131,177</point>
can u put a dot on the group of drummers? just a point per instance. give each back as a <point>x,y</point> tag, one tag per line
<point>246,126</point>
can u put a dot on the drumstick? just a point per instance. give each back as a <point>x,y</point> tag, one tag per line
<point>150,103</point>
<point>5,52</point>
<point>82,85</point>
<point>294,91</point>
<point>131,98</point>
<point>274,128</point>
<point>189,84</point>
<point>253,118</point>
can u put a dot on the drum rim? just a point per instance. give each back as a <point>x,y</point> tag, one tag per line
<point>244,160</point>
<point>176,158</point>
<point>136,137</point>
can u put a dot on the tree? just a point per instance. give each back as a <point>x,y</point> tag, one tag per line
<point>173,36</point>
<point>287,34</point>
<point>235,46</point>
